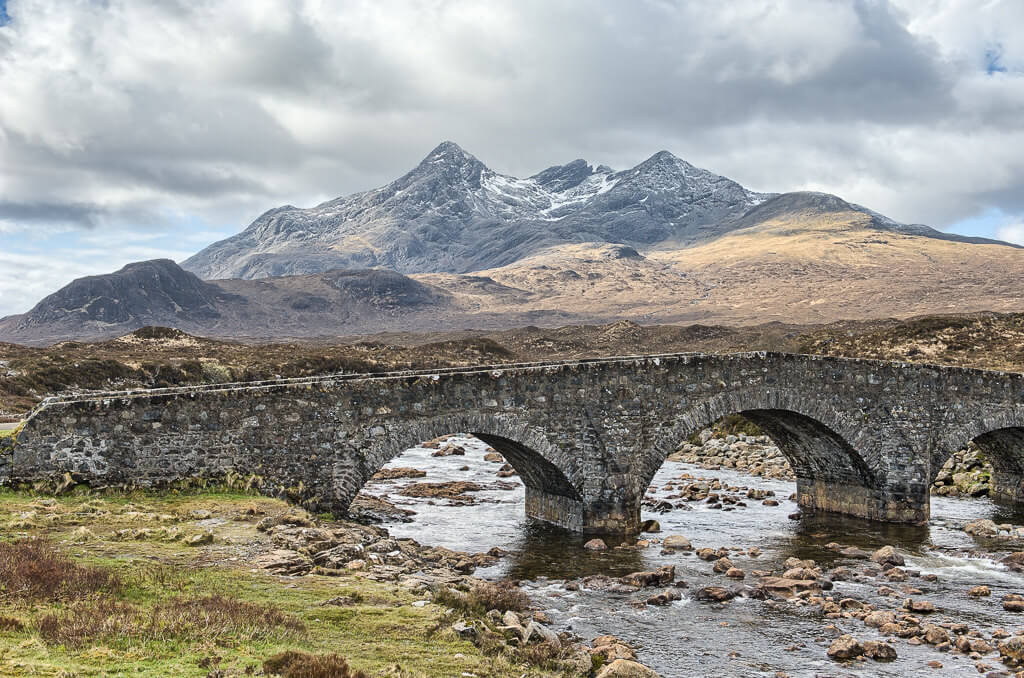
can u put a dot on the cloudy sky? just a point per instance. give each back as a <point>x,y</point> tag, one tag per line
<point>135,129</point>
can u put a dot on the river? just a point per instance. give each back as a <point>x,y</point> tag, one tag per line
<point>744,637</point>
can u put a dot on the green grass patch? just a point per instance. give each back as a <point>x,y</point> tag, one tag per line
<point>79,600</point>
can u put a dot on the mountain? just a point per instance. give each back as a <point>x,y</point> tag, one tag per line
<point>453,214</point>
<point>160,292</point>
<point>663,242</point>
<point>138,293</point>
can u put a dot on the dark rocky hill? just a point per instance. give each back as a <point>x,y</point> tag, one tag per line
<point>160,292</point>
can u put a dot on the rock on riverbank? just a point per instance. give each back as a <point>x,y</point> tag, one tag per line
<point>967,473</point>
<point>756,455</point>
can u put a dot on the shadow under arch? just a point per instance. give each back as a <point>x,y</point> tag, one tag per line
<point>822,445</point>
<point>552,478</point>
<point>1001,439</point>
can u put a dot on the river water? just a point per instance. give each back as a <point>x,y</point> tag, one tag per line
<point>744,637</point>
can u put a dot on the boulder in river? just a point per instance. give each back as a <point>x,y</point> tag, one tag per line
<point>664,598</point>
<point>983,527</point>
<point>919,606</point>
<point>660,577</point>
<point>398,472</point>
<point>624,668</point>
<point>595,545</point>
<point>506,471</point>
<point>980,591</point>
<point>1013,602</point>
<point>935,635</point>
<point>879,651</point>
<point>887,556</point>
<point>677,542</point>
<point>879,618</point>
<point>450,451</point>
<point>450,490</point>
<point>369,509</point>
<point>714,594</point>
<point>845,647</point>
<point>1012,648</point>
<point>855,553</point>
<point>1014,561</point>
<point>786,588</point>
<point>722,565</point>
<point>800,573</point>
<point>610,648</point>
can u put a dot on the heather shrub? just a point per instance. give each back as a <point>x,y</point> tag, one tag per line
<point>210,617</point>
<point>33,570</point>
<point>483,597</point>
<point>293,664</point>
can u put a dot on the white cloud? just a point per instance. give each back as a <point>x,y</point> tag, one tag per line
<point>129,115</point>
<point>1012,233</point>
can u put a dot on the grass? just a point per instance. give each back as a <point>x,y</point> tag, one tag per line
<point>731,424</point>
<point>79,600</point>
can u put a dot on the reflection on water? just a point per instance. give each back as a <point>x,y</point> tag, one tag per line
<point>688,638</point>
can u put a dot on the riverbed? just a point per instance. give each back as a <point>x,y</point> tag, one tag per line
<point>743,637</point>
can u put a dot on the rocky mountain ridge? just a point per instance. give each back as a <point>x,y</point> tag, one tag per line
<point>453,214</point>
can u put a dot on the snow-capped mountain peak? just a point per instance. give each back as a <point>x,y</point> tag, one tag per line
<point>453,213</point>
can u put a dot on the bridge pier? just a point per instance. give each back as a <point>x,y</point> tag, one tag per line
<point>1004,449</point>
<point>594,517</point>
<point>859,501</point>
<point>555,509</point>
<point>1007,486</point>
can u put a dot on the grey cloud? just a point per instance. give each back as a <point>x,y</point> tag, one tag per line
<point>70,213</point>
<point>213,107</point>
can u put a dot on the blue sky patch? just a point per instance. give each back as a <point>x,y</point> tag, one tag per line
<point>993,59</point>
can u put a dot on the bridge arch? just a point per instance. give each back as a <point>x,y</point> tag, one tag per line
<point>552,477</point>
<point>821,442</point>
<point>818,439</point>
<point>1000,436</point>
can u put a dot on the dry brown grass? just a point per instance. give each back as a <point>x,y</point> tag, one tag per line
<point>292,664</point>
<point>484,596</point>
<point>11,624</point>
<point>32,570</point>
<point>210,617</point>
<point>986,340</point>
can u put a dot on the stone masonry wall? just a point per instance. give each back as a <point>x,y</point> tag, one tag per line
<point>863,437</point>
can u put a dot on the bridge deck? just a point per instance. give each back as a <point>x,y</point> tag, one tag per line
<point>335,378</point>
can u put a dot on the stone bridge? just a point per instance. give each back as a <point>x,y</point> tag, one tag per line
<point>864,437</point>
